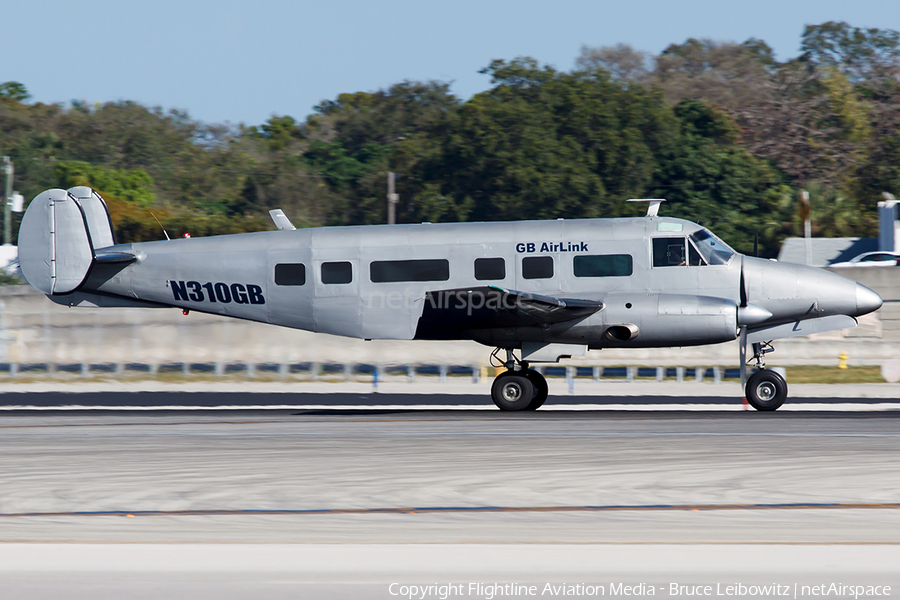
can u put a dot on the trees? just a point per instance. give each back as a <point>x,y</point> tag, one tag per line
<point>543,144</point>
<point>13,91</point>
<point>827,118</point>
<point>622,62</point>
<point>723,130</point>
<point>862,55</point>
<point>708,178</point>
<point>726,75</point>
<point>357,138</point>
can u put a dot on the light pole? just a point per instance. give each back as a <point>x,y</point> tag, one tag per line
<point>7,198</point>
<point>12,201</point>
<point>392,200</point>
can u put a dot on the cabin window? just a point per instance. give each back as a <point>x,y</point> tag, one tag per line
<point>668,252</point>
<point>537,267</point>
<point>394,271</point>
<point>669,227</point>
<point>337,272</point>
<point>290,274</point>
<point>604,265</point>
<point>490,268</point>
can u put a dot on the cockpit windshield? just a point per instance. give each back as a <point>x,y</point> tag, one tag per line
<point>714,250</point>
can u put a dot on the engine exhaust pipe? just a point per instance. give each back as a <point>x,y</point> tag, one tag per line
<point>621,333</point>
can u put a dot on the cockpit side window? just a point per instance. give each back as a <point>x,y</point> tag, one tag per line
<point>668,252</point>
<point>695,260</point>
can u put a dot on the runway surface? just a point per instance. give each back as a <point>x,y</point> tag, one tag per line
<point>662,399</point>
<point>336,502</point>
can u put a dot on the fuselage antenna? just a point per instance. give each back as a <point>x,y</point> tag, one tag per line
<point>652,204</point>
<point>161,227</point>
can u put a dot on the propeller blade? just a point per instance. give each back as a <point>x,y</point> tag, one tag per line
<point>743,291</point>
<point>743,355</point>
<point>745,301</point>
<point>756,244</point>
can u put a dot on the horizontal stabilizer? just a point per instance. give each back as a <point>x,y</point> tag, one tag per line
<point>92,300</point>
<point>110,257</point>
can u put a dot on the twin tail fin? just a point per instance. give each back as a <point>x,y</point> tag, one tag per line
<point>61,232</point>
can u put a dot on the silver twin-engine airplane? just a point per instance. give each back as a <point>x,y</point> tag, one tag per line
<point>545,289</point>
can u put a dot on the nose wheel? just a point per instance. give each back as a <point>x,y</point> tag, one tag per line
<point>766,390</point>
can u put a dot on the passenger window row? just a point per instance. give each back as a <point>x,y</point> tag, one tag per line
<point>438,269</point>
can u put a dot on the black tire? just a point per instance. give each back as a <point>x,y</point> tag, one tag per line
<point>512,391</point>
<point>541,389</point>
<point>766,390</point>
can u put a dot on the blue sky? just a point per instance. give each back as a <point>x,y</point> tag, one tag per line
<point>244,61</point>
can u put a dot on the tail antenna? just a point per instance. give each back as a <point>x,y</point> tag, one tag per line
<point>160,226</point>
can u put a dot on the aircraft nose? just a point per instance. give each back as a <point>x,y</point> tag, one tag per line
<point>866,300</point>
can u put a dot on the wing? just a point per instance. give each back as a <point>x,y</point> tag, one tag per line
<point>447,312</point>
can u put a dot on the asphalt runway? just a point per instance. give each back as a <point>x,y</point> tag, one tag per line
<point>421,401</point>
<point>341,503</point>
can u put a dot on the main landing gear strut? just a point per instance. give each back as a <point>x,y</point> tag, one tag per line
<point>518,388</point>
<point>766,390</point>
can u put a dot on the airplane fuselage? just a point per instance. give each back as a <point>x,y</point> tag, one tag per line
<point>550,289</point>
<point>328,280</point>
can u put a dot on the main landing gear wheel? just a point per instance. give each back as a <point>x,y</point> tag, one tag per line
<point>541,389</point>
<point>512,391</point>
<point>766,390</point>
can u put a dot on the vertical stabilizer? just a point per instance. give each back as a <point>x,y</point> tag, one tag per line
<point>96,215</point>
<point>55,250</point>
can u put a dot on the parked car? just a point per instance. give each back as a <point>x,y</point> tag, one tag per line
<point>871,259</point>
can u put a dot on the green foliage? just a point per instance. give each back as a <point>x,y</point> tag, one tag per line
<point>848,113</point>
<point>545,144</point>
<point>279,132</point>
<point>859,53</point>
<point>10,279</point>
<point>709,179</point>
<point>13,91</point>
<point>722,130</point>
<point>129,185</point>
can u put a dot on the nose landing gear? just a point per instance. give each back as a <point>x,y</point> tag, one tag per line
<point>518,388</point>
<point>766,390</point>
